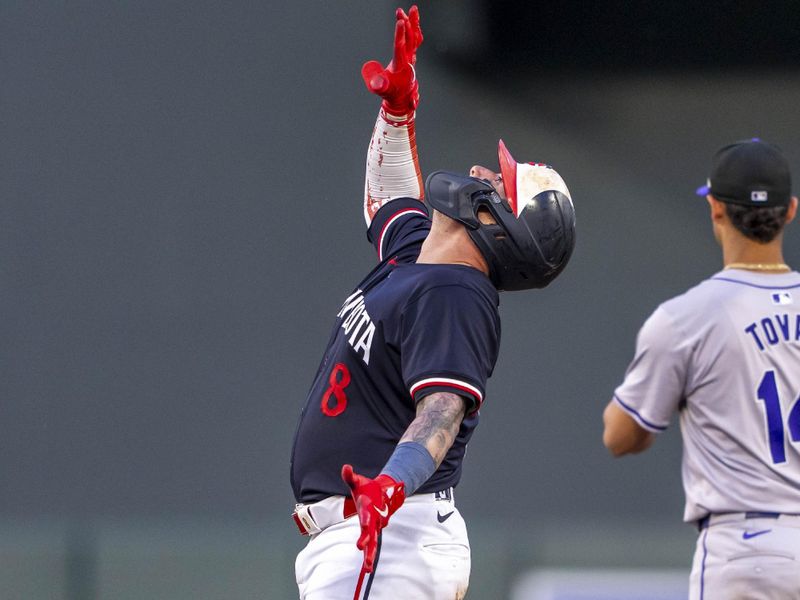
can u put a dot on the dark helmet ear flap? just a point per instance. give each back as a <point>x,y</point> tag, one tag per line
<point>458,196</point>
<point>525,248</point>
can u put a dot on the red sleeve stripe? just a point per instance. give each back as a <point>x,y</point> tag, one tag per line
<point>392,219</point>
<point>446,382</point>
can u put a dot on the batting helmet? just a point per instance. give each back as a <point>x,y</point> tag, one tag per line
<point>533,235</point>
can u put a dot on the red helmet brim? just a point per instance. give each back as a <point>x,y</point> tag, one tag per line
<point>508,169</point>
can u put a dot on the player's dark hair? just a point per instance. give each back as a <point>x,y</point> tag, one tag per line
<point>759,223</point>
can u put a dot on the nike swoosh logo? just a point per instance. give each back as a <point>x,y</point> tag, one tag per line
<point>747,535</point>
<point>384,513</point>
<point>443,518</point>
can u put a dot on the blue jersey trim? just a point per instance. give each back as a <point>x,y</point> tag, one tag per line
<point>755,285</point>
<point>639,417</point>
<point>703,567</point>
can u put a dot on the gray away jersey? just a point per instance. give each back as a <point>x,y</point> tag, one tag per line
<point>726,355</point>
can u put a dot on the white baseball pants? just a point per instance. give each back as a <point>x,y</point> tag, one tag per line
<point>423,554</point>
<point>754,558</point>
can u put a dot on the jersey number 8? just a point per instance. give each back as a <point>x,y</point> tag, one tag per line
<point>339,379</point>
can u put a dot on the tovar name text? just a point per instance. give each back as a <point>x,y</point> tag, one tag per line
<point>770,331</point>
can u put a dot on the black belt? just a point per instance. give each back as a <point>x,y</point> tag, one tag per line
<point>703,523</point>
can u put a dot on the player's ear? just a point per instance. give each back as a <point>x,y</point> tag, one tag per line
<point>792,211</point>
<point>717,208</point>
<point>485,217</point>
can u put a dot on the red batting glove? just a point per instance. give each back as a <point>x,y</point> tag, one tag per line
<point>376,500</point>
<point>397,83</point>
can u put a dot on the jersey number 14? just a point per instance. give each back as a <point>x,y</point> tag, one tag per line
<point>768,392</point>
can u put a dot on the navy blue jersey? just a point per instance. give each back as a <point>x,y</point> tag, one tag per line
<point>406,331</point>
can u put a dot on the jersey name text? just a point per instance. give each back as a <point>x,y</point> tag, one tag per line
<point>773,330</point>
<point>357,323</point>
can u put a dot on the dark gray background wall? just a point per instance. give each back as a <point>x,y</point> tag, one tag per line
<point>180,218</point>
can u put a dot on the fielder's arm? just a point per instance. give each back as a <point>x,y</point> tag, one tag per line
<point>392,169</point>
<point>622,434</point>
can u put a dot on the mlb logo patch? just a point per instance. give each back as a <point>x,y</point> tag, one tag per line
<point>782,298</point>
<point>759,196</point>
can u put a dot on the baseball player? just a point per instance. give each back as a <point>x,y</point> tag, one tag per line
<point>726,357</point>
<point>381,439</point>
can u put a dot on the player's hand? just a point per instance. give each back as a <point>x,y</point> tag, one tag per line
<point>376,500</point>
<point>397,83</point>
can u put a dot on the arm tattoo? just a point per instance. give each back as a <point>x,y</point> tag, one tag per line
<point>436,425</point>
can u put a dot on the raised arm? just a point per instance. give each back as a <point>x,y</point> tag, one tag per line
<point>392,169</point>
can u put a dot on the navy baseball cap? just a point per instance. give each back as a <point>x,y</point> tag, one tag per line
<point>751,173</point>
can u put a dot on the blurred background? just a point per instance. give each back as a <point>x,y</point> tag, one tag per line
<point>180,219</point>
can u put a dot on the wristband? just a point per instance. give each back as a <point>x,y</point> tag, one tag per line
<point>410,463</point>
<point>397,119</point>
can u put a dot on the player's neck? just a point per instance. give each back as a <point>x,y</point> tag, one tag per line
<point>741,252</point>
<point>448,243</point>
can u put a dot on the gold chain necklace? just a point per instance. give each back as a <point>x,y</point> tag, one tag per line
<point>760,266</point>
